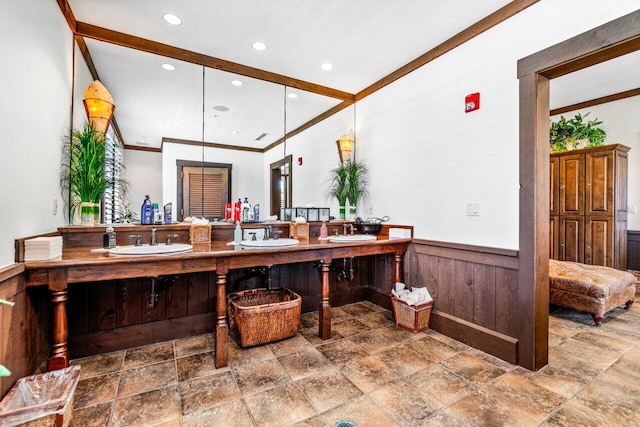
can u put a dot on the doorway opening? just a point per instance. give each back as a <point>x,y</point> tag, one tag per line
<point>281,186</point>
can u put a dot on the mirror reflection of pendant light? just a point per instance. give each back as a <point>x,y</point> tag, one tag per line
<point>99,106</point>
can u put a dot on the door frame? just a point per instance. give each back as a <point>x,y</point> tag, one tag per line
<point>608,41</point>
<point>275,171</point>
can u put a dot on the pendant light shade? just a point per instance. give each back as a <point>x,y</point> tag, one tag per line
<point>99,106</point>
<point>345,147</point>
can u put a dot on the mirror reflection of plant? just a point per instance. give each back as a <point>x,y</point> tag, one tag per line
<point>338,184</point>
<point>83,174</point>
<point>564,133</point>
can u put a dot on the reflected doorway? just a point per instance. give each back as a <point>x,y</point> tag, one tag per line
<point>203,189</point>
<point>281,186</point>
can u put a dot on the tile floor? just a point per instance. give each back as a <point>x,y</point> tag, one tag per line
<point>371,373</point>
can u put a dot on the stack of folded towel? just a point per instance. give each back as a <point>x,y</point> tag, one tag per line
<point>415,296</point>
<point>43,248</point>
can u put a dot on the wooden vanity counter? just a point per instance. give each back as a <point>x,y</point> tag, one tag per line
<point>81,264</point>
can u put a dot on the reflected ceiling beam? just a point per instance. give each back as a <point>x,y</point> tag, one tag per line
<point>597,101</point>
<point>210,145</point>
<point>126,40</point>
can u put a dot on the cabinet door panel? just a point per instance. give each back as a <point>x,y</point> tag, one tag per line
<point>572,185</point>
<point>599,183</point>
<point>598,247</point>
<point>571,231</point>
<point>554,239</point>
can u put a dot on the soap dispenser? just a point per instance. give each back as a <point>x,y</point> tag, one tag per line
<point>237,234</point>
<point>324,234</point>
<point>146,214</point>
<point>109,238</point>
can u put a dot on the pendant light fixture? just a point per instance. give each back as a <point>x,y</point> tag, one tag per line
<point>99,106</point>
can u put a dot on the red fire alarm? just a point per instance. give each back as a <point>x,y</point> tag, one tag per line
<point>471,102</point>
<point>300,161</point>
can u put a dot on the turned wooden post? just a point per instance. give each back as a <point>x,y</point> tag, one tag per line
<point>324,311</point>
<point>59,357</point>
<point>398,268</point>
<point>222,330</point>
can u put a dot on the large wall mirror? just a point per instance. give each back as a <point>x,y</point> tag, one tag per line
<point>170,111</point>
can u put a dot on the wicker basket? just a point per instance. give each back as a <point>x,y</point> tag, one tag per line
<point>259,316</point>
<point>412,317</point>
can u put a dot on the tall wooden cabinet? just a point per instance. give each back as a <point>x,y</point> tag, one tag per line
<point>588,206</point>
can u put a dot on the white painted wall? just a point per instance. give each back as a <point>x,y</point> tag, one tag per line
<point>143,172</point>
<point>620,119</point>
<point>35,105</point>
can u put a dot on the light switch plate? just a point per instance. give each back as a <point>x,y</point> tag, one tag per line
<point>473,209</point>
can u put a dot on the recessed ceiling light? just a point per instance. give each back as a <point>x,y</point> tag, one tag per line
<point>235,132</point>
<point>326,66</point>
<point>221,108</point>
<point>292,95</point>
<point>172,19</point>
<point>168,67</point>
<point>236,83</point>
<point>259,46</point>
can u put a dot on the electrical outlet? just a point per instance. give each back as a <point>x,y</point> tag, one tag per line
<point>55,206</point>
<point>473,209</point>
<point>633,209</point>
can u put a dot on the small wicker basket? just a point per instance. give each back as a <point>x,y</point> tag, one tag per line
<point>260,316</point>
<point>412,317</point>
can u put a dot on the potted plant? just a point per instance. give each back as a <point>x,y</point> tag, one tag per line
<point>83,173</point>
<point>571,134</point>
<point>357,181</point>
<point>338,187</point>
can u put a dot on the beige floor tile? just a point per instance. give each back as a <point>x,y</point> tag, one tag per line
<point>239,356</point>
<point>146,378</point>
<point>362,411</point>
<point>403,360</point>
<point>487,410</point>
<point>338,314</point>
<point>554,379</point>
<point>150,408</point>
<point>194,345</point>
<point>610,401</point>
<point>357,309</point>
<point>368,373</point>
<point>197,365</point>
<point>304,363</point>
<point>575,414</point>
<point>349,327</point>
<point>328,389</point>
<point>432,349</point>
<point>205,392</point>
<point>95,390</point>
<point>312,422</point>
<point>443,384</point>
<point>401,334</point>
<point>148,355</point>
<point>406,403</point>
<point>234,413</point>
<point>289,345</point>
<point>472,368</point>
<point>342,351</point>
<point>260,376</point>
<point>311,335</point>
<point>281,406</point>
<point>374,341</point>
<point>377,319</point>
<point>92,416</point>
<point>309,320</point>
<point>99,365</point>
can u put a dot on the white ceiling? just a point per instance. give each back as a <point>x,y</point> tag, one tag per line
<point>365,40</point>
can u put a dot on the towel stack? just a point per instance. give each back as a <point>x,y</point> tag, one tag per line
<point>43,248</point>
<point>415,296</point>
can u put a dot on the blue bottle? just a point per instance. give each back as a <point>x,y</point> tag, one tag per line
<point>146,213</point>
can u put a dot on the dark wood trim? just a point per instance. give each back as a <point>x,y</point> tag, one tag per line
<point>607,41</point>
<point>180,165</point>
<point>492,342</point>
<point>597,101</point>
<point>139,148</point>
<point>68,14</point>
<point>462,37</point>
<point>145,45</point>
<point>11,271</point>
<point>211,145</point>
<point>465,247</point>
<point>330,112</point>
<point>468,254</point>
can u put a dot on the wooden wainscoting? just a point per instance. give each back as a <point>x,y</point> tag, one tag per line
<point>633,250</point>
<point>24,328</point>
<point>475,291</point>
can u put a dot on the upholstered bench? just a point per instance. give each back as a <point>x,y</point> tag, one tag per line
<point>591,288</point>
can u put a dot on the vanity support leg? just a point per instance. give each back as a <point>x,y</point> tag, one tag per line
<point>59,357</point>
<point>324,328</point>
<point>222,330</point>
<point>398,268</point>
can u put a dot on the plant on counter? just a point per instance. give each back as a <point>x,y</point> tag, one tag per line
<point>84,174</point>
<point>357,182</point>
<point>566,134</point>
<point>348,182</point>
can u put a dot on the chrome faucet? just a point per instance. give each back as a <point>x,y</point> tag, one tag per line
<point>138,239</point>
<point>352,229</point>
<point>154,239</point>
<point>344,229</point>
<point>267,232</point>
<point>171,238</point>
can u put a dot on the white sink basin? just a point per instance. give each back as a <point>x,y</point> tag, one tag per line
<point>150,250</point>
<point>353,238</point>
<point>268,244</point>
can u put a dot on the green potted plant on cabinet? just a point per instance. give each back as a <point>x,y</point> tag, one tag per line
<point>573,133</point>
<point>83,175</point>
